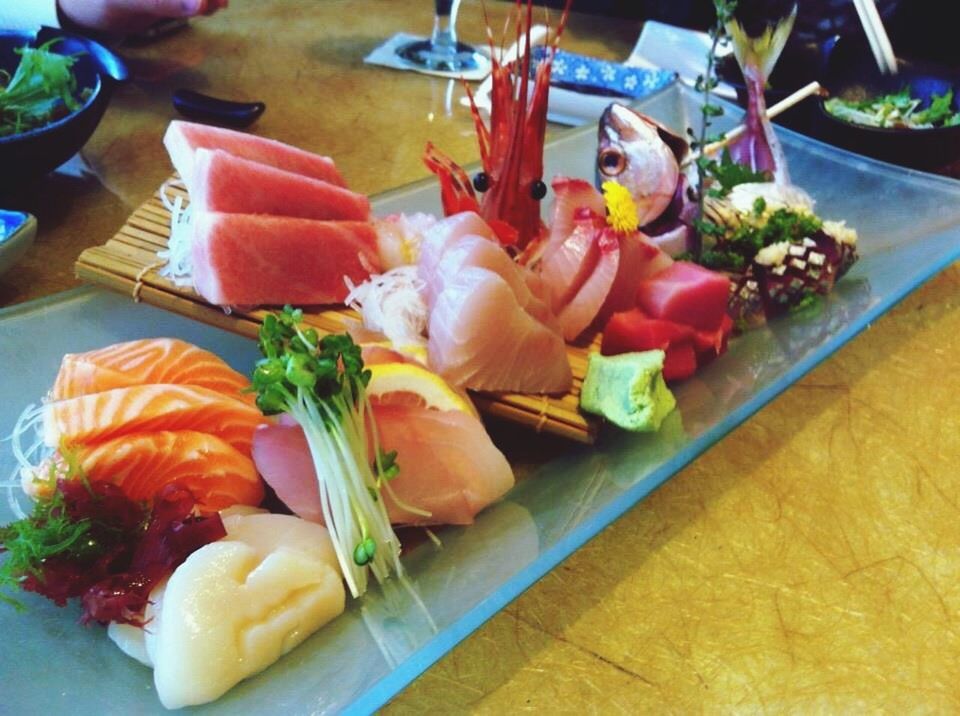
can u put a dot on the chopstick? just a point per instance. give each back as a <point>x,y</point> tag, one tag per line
<point>877,36</point>
<point>779,108</point>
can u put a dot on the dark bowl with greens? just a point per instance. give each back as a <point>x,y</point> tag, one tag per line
<point>54,89</point>
<point>911,119</point>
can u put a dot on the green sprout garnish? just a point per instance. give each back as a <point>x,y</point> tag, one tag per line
<point>321,382</point>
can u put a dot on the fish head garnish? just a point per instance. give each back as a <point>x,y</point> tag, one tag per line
<point>642,155</point>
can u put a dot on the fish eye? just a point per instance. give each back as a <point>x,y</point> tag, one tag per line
<point>481,181</point>
<point>611,162</point>
<point>538,190</point>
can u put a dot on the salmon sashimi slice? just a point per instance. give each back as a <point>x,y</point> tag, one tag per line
<point>150,360</point>
<point>217,474</point>
<point>183,139</point>
<point>224,182</point>
<point>89,419</point>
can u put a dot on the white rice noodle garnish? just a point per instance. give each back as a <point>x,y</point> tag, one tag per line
<point>179,266</point>
<point>392,303</point>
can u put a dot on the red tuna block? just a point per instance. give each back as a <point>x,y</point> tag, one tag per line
<point>686,348</point>
<point>231,185</point>
<point>251,260</point>
<point>686,293</point>
<point>183,139</point>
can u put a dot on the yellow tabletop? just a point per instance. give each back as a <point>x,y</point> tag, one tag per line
<point>809,561</point>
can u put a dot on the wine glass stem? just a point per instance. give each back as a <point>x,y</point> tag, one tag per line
<point>444,37</point>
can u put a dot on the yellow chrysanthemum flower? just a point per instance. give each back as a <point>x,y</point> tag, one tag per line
<point>621,210</point>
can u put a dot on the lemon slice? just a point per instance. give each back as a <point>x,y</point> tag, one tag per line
<point>434,391</point>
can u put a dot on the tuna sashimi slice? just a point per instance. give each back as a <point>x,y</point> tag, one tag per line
<point>639,259</point>
<point>226,183</point>
<point>149,360</point>
<point>89,419</point>
<point>183,139</point>
<point>482,338</point>
<point>249,260</point>
<point>217,474</point>
<point>686,348</point>
<point>448,465</point>
<point>686,293</point>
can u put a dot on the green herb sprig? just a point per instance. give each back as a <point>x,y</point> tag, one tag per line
<point>47,532</point>
<point>705,84</point>
<point>42,86</point>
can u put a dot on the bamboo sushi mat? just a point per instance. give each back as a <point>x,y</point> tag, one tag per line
<point>128,263</point>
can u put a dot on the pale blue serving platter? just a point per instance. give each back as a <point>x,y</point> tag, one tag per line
<point>909,225</point>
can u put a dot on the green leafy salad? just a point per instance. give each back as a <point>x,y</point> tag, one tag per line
<point>42,89</point>
<point>897,111</point>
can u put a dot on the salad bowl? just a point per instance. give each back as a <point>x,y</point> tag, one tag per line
<point>851,73</point>
<point>30,154</point>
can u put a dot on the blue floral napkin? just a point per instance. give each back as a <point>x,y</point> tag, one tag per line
<point>588,74</point>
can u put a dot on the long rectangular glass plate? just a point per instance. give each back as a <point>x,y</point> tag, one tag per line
<point>909,225</point>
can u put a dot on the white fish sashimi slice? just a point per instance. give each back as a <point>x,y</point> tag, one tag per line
<point>571,195</point>
<point>569,263</point>
<point>449,467</point>
<point>482,338</point>
<point>585,305</point>
<point>444,233</point>
<point>482,253</point>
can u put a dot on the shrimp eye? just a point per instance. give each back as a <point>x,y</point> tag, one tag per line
<point>611,162</point>
<point>538,190</point>
<point>481,182</point>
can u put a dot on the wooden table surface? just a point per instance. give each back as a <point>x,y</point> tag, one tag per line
<point>809,561</point>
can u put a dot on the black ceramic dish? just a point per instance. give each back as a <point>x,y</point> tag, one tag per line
<point>32,154</point>
<point>851,73</point>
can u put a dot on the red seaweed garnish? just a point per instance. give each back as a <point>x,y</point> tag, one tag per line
<point>89,540</point>
<point>172,535</point>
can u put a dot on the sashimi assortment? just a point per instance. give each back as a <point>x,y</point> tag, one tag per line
<point>149,458</point>
<point>147,492</point>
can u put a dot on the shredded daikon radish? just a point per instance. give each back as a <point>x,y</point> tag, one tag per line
<point>393,304</point>
<point>179,266</point>
<point>30,460</point>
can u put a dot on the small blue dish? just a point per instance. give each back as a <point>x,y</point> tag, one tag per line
<point>17,231</point>
<point>32,154</point>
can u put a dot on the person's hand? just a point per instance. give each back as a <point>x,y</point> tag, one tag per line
<point>124,16</point>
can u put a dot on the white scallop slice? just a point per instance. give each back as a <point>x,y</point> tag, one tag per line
<point>236,606</point>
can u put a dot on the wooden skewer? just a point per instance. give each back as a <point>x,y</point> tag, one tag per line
<point>876,36</point>
<point>777,109</point>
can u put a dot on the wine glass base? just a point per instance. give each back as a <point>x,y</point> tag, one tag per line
<point>424,55</point>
